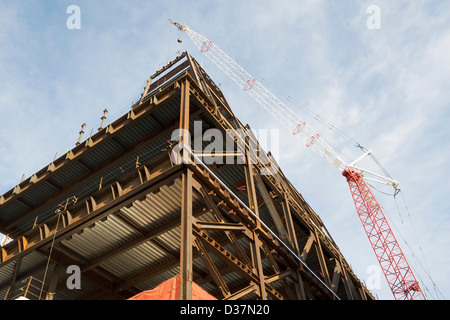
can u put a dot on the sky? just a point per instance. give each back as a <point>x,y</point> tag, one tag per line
<point>376,70</point>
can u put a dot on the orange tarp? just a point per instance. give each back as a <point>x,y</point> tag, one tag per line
<point>170,290</point>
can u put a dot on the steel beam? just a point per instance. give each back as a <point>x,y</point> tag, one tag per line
<point>271,206</point>
<point>307,248</point>
<point>147,274</point>
<point>235,263</point>
<point>212,269</point>
<point>346,282</point>
<point>258,263</point>
<point>14,277</point>
<point>242,214</point>
<point>322,261</point>
<point>203,225</point>
<point>301,212</point>
<point>184,137</point>
<point>108,199</point>
<point>136,147</point>
<point>186,241</point>
<point>253,204</point>
<point>53,281</point>
<point>186,267</point>
<point>292,234</point>
<point>219,217</point>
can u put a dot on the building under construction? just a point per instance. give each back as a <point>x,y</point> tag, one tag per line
<point>140,202</point>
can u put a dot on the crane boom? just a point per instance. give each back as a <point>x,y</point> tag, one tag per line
<point>396,269</point>
<point>264,97</point>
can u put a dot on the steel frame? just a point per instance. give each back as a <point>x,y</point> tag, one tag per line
<point>236,238</point>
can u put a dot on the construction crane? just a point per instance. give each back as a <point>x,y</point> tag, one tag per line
<point>396,269</point>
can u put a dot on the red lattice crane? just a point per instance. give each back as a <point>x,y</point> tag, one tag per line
<point>396,269</point>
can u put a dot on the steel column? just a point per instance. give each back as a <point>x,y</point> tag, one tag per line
<point>186,269</point>
<point>253,204</point>
<point>184,117</point>
<point>322,261</point>
<point>186,241</point>
<point>290,225</point>
<point>270,206</point>
<point>212,269</point>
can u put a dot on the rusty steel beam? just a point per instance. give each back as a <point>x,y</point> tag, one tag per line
<point>307,248</point>
<point>135,147</point>
<point>337,273</point>
<point>14,277</point>
<point>152,102</point>
<point>346,282</point>
<point>186,267</point>
<point>250,184</point>
<point>233,262</point>
<point>220,218</point>
<point>254,288</point>
<point>168,265</point>
<point>212,269</point>
<point>82,149</point>
<point>206,225</point>
<point>186,239</point>
<point>243,292</point>
<point>247,217</point>
<point>104,203</point>
<point>147,87</point>
<point>322,261</point>
<point>301,210</point>
<point>184,136</point>
<point>271,206</point>
<point>292,234</point>
<point>256,245</point>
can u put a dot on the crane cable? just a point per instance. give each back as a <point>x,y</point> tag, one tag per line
<point>425,268</point>
<point>358,145</point>
<point>50,254</point>
<point>314,115</point>
<point>394,194</point>
<point>317,117</point>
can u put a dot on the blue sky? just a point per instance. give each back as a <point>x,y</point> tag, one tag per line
<point>387,88</point>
